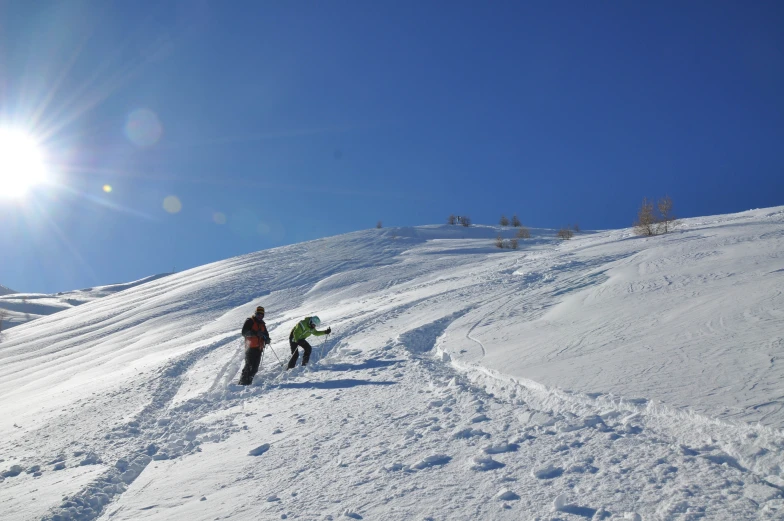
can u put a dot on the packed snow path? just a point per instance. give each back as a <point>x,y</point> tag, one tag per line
<point>127,408</point>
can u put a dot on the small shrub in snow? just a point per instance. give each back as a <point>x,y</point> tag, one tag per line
<point>465,220</point>
<point>502,243</point>
<point>646,220</point>
<point>451,219</point>
<point>648,223</point>
<point>565,233</point>
<point>378,224</point>
<point>516,221</point>
<point>523,233</point>
<point>504,221</point>
<point>666,217</point>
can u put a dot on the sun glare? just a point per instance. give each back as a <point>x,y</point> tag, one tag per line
<point>21,163</point>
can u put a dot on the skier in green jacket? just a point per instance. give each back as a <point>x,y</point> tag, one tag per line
<point>301,331</point>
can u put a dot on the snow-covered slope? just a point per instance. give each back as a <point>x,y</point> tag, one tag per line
<point>606,377</point>
<point>24,307</point>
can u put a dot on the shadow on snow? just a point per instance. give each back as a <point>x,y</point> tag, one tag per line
<point>373,363</point>
<point>331,384</point>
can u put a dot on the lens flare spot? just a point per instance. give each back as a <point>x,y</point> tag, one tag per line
<point>263,228</point>
<point>143,128</point>
<point>219,218</point>
<point>107,188</point>
<point>172,204</point>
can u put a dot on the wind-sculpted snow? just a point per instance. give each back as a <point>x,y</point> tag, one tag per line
<point>606,377</point>
<point>24,307</point>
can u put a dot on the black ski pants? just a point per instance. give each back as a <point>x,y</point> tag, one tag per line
<point>252,360</point>
<point>295,352</point>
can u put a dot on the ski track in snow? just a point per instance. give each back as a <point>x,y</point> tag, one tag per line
<point>392,419</point>
<point>528,452</point>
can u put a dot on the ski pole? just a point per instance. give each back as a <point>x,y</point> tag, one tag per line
<point>324,342</point>
<point>276,355</point>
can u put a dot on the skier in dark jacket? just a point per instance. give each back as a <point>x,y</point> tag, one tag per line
<point>256,337</point>
<point>301,331</point>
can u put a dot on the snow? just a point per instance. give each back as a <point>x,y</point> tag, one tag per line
<point>24,307</point>
<point>605,377</point>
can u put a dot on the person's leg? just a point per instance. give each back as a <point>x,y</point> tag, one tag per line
<point>255,359</point>
<point>294,355</point>
<point>304,344</point>
<point>246,377</point>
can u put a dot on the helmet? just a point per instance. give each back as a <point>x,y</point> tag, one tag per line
<point>315,322</point>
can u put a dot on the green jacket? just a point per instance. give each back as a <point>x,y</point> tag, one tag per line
<point>303,330</point>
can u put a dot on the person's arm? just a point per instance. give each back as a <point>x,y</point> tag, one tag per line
<point>264,334</point>
<point>322,333</point>
<point>247,328</point>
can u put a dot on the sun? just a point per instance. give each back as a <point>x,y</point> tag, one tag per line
<point>21,163</point>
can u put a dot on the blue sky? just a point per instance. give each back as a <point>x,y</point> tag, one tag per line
<point>278,122</point>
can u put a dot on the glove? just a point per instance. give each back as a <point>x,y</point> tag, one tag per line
<point>329,330</point>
